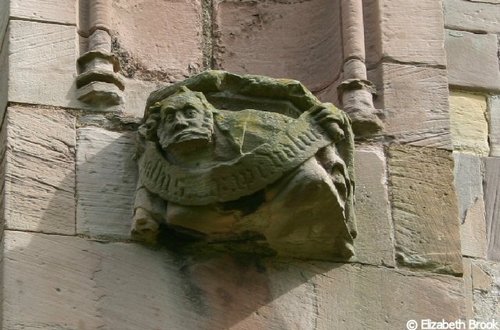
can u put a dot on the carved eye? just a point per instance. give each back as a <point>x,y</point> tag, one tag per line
<point>190,113</point>
<point>169,118</point>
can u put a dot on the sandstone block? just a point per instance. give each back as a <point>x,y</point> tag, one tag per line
<point>40,178</point>
<point>56,282</point>
<point>491,198</point>
<point>485,284</point>
<point>412,31</point>
<point>469,186</point>
<point>472,60</point>
<point>42,63</point>
<point>266,38</point>
<point>381,298</point>
<point>373,245</point>
<point>469,127</point>
<point>4,18</point>
<point>52,281</point>
<point>143,53</point>
<point>469,298</point>
<point>494,125</point>
<point>135,94</point>
<point>472,15</point>
<point>415,100</point>
<point>4,76</point>
<point>106,180</point>
<point>424,209</point>
<point>60,11</point>
<point>373,38</point>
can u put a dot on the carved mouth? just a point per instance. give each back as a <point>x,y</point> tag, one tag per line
<point>186,135</point>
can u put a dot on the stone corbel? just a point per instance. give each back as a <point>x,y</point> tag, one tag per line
<point>98,82</point>
<point>356,92</point>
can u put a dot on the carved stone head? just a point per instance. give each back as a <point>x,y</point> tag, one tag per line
<point>185,122</point>
<point>250,159</point>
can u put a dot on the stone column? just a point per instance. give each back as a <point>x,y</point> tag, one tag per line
<point>98,83</point>
<point>355,92</point>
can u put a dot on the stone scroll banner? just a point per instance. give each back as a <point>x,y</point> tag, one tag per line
<point>248,159</point>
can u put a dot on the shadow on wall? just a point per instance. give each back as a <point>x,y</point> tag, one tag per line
<point>99,279</point>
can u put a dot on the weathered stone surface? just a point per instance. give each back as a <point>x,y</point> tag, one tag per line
<point>485,286</point>
<point>412,31</point>
<point>251,170</point>
<point>135,93</point>
<point>371,21</point>
<point>469,186</point>
<point>55,282</point>
<point>4,18</point>
<point>60,11</point>
<point>472,15</point>
<point>4,76</point>
<point>40,179</point>
<point>42,63</point>
<point>491,198</point>
<point>469,299</point>
<point>494,125</point>
<point>425,211</point>
<point>472,60</point>
<point>415,100</point>
<point>267,38</point>
<point>374,241</point>
<point>106,182</point>
<point>469,127</point>
<point>380,298</point>
<point>142,53</point>
<point>3,162</point>
<point>52,281</point>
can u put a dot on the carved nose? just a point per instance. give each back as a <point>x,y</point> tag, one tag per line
<point>180,124</point>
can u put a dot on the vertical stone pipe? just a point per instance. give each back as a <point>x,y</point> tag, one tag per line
<point>98,83</point>
<point>356,92</point>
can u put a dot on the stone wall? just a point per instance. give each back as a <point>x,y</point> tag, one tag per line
<point>472,47</point>
<point>69,174</point>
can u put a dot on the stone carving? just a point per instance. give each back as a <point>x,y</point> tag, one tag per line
<point>236,158</point>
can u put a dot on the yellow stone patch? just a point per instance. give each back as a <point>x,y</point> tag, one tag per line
<point>469,126</point>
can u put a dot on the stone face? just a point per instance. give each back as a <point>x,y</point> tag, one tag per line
<point>277,168</point>
<point>425,211</point>
<point>266,38</point>
<point>494,125</point>
<point>380,298</point>
<point>469,127</point>
<point>412,31</point>
<point>491,197</point>
<point>106,182</point>
<point>472,15</point>
<point>42,63</point>
<point>469,186</point>
<point>415,101</point>
<point>145,55</point>
<point>472,60</point>
<point>374,241</point>
<point>60,11</point>
<point>40,178</point>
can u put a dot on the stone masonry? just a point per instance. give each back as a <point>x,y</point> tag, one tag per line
<point>427,186</point>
